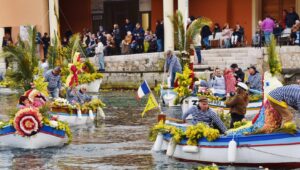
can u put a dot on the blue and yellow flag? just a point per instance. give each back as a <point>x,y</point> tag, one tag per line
<point>151,104</point>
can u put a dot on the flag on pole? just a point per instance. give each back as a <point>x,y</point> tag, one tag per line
<point>151,104</point>
<point>143,90</point>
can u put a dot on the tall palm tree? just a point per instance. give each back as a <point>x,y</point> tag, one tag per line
<point>24,54</point>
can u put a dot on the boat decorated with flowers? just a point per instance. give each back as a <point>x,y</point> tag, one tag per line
<point>168,97</point>
<point>29,129</point>
<point>75,115</point>
<point>200,143</point>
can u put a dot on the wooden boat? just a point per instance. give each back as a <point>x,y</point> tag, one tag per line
<point>268,150</point>
<point>75,117</point>
<point>46,137</point>
<point>252,108</point>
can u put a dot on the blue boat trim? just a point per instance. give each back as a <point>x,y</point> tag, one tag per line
<point>246,141</point>
<point>45,129</point>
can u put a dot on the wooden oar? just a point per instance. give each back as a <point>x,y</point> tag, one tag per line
<point>175,120</point>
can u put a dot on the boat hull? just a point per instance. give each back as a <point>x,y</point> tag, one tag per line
<point>264,149</point>
<point>46,137</point>
<point>74,119</point>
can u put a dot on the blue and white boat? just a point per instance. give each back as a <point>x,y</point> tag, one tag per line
<point>47,136</point>
<point>268,150</point>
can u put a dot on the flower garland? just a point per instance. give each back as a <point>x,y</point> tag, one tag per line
<point>184,82</point>
<point>27,121</point>
<point>193,133</point>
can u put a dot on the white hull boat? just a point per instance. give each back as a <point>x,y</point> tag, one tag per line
<point>268,150</point>
<point>46,137</point>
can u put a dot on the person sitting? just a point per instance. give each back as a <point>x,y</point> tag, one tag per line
<point>218,83</point>
<point>199,85</point>
<point>237,35</point>
<point>125,45</point>
<point>23,102</point>
<point>230,81</point>
<point>79,96</point>
<point>202,113</point>
<point>238,103</point>
<point>282,97</point>
<point>254,79</point>
<point>226,34</point>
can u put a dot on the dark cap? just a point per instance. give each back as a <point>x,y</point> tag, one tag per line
<point>203,99</point>
<point>253,67</point>
<point>234,65</point>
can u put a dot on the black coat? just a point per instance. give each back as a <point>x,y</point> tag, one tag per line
<point>291,19</point>
<point>159,31</point>
<point>239,75</point>
<point>205,31</point>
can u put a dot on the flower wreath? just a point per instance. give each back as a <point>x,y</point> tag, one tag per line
<point>28,121</point>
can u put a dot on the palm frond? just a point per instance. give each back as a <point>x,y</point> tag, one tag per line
<point>179,31</point>
<point>195,28</point>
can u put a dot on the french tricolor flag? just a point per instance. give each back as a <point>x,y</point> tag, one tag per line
<point>143,90</point>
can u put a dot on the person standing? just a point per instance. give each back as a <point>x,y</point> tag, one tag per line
<point>205,33</point>
<point>238,103</point>
<point>138,36</point>
<point>116,33</point>
<point>46,43</point>
<point>54,81</point>
<point>99,51</point>
<point>172,66</point>
<point>267,26</point>
<point>159,32</point>
<point>291,18</point>
<point>197,47</point>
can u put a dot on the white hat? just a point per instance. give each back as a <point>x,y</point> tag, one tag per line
<point>197,82</point>
<point>243,86</point>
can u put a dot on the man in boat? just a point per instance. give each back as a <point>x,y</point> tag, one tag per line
<point>238,103</point>
<point>283,97</point>
<point>78,96</point>
<point>172,66</point>
<point>217,83</point>
<point>54,81</point>
<point>254,80</point>
<point>202,113</point>
<point>238,72</point>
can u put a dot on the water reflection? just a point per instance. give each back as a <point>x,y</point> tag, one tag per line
<point>119,142</point>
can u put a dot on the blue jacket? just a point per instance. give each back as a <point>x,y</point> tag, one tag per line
<point>54,81</point>
<point>254,81</point>
<point>173,65</point>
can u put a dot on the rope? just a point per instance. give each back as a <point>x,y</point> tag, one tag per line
<point>272,153</point>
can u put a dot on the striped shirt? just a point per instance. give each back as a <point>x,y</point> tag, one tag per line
<point>289,94</point>
<point>54,81</point>
<point>209,117</point>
